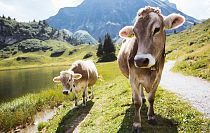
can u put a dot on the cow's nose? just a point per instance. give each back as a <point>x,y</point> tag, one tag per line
<point>65,92</point>
<point>141,61</point>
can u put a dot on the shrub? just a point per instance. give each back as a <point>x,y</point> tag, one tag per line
<point>88,55</point>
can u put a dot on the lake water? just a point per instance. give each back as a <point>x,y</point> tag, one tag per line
<point>16,83</point>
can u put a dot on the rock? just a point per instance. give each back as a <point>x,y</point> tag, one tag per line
<point>57,53</point>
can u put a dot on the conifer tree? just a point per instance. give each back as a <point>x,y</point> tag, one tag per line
<point>108,46</point>
<point>100,48</point>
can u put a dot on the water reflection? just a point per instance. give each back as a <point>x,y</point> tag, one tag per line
<point>16,83</point>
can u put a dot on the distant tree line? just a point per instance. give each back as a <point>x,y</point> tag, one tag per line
<point>106,49</point>
<point>40,22</point>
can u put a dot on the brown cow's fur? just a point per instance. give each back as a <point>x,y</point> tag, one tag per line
<point>80,76</point>
<point>148,78</point>
<point>89,74</point>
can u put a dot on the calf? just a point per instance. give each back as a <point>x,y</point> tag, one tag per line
<point>141,57</point>
<point>80,76</point>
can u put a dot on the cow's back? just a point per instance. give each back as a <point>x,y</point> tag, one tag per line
<point>124,56</point>
<point>88,71</point>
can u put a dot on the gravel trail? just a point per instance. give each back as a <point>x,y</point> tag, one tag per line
<point>194,90</point>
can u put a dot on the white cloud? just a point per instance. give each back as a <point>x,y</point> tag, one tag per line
<point>28,10</point>
<point>199,9</point>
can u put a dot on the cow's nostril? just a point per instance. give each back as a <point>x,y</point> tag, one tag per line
<point>65,92</point>
<point>141,62</point>
<point>146,61</point>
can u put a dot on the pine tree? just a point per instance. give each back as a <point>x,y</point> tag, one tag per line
<point>9,18</point>
<point>34,20</point>
<point>40,22</point>
<point>108,46</point>
<point>100,48</point>
<point>3,16</point>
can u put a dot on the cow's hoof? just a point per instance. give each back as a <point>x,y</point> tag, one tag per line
<point>136,130</point>
<point>143,100</point>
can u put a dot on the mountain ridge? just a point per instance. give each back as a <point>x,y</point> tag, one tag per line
<point>107,16</point>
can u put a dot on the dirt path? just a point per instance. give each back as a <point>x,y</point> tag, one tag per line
<point>194,90</point>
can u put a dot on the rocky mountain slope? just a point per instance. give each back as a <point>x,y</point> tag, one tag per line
<point>12,32</point>
<point>101,16</point>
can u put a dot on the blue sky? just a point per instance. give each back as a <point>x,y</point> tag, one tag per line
<point>27,10</point>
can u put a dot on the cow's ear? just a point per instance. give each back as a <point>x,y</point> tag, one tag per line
<point>127,32</point>
<point>57,79</point>
<point>77,76</point>
<point>173,21</point>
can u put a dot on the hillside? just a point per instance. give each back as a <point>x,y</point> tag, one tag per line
<point>12,32</point>
<point>107,16</point>
<point>37,53</point>
<point>192,50</point>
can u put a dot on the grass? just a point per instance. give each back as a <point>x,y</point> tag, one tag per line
<point>21,111</point>
<point>192,50</point>
<point>112,111</point>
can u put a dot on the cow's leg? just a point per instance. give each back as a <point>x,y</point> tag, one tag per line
<point>150,113</point>
<point>137,104</point>
<point>92,90</point>
<point>76,98</point>
<point>142,94</point>
<point>85,95</point>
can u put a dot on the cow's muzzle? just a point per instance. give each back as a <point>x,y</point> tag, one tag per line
<point>65,92</point>
<point>144,60</point>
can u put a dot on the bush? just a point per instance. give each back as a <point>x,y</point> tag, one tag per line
<point>88,55</point>
<point>72,51</point>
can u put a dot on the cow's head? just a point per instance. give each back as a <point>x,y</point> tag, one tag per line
<point>67,79</point>
<point>149,34</point>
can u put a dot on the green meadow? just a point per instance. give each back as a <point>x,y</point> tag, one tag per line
<point>112,109</point>
<point>191,49</point>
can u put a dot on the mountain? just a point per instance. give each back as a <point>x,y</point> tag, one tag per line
<point>170,4</point>
<point>12,32</point>
<point>101,16</point>
<point>83,37</point>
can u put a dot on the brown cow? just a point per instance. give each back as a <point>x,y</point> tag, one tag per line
<point>81,75</point>
<point>141,57</point>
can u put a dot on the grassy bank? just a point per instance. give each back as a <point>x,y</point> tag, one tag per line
<point>112,111</point>
<point>21,111</point>
<point>192,50</point>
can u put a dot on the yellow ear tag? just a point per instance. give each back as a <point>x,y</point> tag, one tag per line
<point>131,36</point>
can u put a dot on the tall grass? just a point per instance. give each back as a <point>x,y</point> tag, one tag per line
<point>21,111</point>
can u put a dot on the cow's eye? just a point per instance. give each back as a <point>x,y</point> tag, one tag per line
<point>156,31</point>
<point>73,85</point>
<point>69,80</point>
